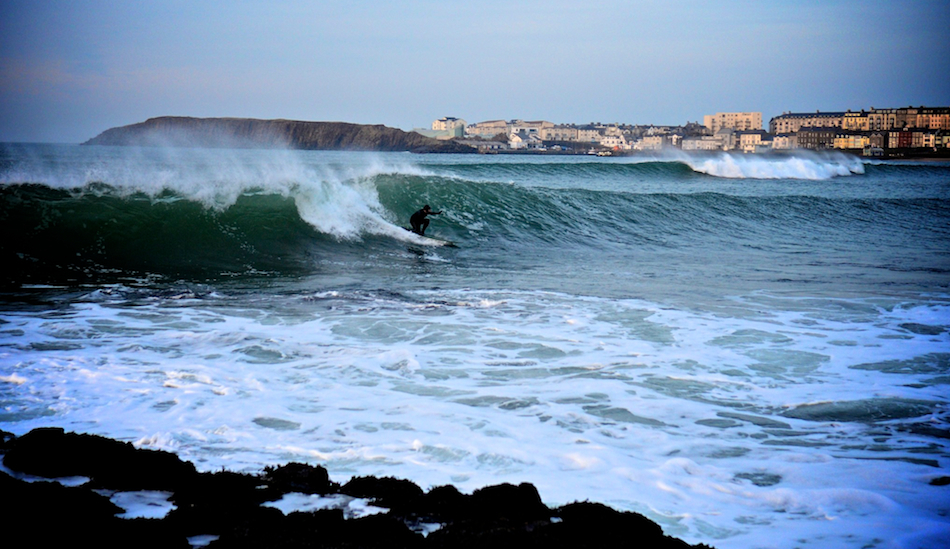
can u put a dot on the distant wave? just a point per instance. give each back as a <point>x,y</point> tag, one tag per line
<point>801,165</point>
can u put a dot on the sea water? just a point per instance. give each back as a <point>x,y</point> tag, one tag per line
<point>752,351</point>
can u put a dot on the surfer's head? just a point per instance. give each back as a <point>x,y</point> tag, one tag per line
<point>426,207</point>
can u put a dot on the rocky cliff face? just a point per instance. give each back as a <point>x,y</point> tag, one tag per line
<point>290,134</point>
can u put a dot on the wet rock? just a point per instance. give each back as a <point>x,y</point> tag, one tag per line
<point>384,492</point>
<point>6,440</point>
<point>53,453</point>
<point>442,504</point>
<point>299,477</point>
<point>515,503</point>
<point>587,524</point>
<point>228,506</point>
<point>219,500</point>
<point>48,514</point>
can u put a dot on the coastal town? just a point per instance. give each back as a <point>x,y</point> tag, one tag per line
<point>892,132</point>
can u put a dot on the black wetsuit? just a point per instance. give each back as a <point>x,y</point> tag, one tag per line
<point>419,221</point>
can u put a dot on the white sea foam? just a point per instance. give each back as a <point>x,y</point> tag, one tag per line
<point>13,378</point>
<point>147,504</point>
<point>351,507</point>
<point>800,165</point>
<point>674,413</point>
<point>337,198</point>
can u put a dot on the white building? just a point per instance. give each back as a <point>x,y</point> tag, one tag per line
<point>751,141</point>
<point>785,141</point>
<point>525,139</point>
<point>444,128</point>
<point>487,129</point>
<point>728,138</point>
<point>559,132</point>
<point>529,127</point>
<point>449,123</point>
<point>616,142</point>
<point>589,134</point>
<point>741,121</point>
<point>651,143</point>
<point>702,143</point>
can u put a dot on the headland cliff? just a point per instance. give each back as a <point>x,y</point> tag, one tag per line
<point>178,131</point>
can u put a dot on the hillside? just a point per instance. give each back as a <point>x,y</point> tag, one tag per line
<point>178,131</point>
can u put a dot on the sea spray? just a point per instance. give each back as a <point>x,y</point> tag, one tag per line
<point>801,165</point>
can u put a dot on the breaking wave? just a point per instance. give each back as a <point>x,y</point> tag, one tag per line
<point>213,213</point>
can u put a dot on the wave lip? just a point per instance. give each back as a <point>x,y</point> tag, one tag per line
<point>801,165</point>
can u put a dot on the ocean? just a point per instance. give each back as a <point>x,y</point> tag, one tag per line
<point>752,351</point>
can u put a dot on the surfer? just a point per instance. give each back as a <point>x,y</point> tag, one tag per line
<point>419,221</point>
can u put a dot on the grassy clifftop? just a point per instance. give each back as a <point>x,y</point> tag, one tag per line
<point>177,131</point>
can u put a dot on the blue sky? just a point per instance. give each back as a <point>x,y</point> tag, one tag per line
<point>70,70</point>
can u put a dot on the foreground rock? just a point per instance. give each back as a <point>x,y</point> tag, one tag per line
<point>180,131</point>
<point>225,509</point>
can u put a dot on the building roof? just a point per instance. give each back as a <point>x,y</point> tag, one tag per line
<point>809,114</point>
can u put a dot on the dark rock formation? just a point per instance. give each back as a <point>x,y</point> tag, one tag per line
<point>227,505</point>
<point>300,477</point>
<point>176,131</point>
<point>385,492</point>
<point>117,465</point>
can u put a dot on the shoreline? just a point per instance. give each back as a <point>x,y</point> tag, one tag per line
<point>939,156</point>
<point>912,157</point>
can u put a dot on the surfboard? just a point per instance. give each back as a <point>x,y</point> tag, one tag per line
<point>433,240</point>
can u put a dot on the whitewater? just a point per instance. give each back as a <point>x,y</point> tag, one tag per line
<point>752,351</point>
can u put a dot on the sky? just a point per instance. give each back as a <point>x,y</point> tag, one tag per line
<point>70,70</point>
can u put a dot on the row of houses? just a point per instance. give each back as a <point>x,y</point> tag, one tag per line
<point>821,138</point>
<point>872,132</point>
<point>541,134</point>
<point>543,130</point>
<point>929,118</point>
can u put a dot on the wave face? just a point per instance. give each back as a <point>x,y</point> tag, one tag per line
<point>93,212</point>
<point>89,213</point>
